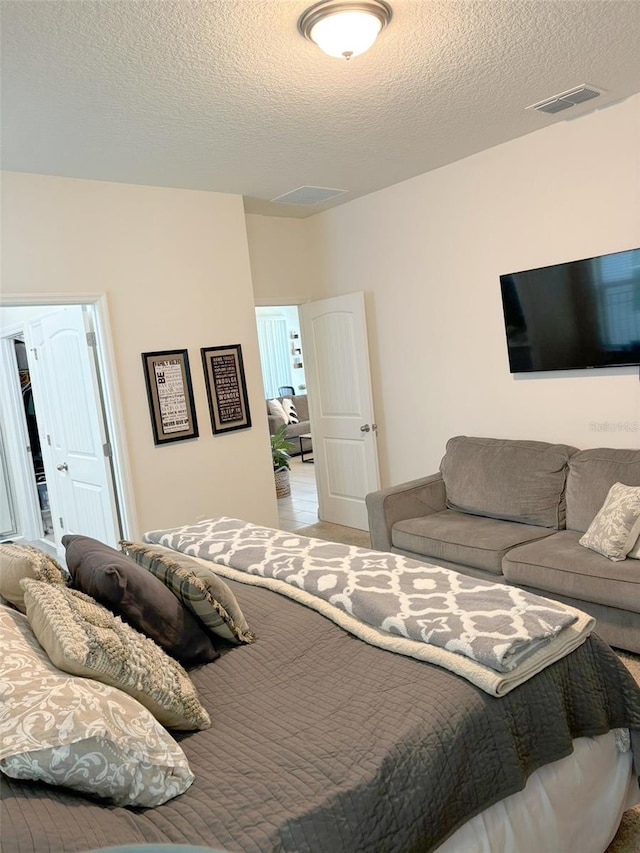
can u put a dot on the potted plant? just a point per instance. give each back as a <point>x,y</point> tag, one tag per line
<point>280,456</point>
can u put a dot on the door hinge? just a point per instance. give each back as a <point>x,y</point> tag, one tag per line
<point>91,339</point>
<point>61,523</point>
<point>49,440</point>
<point>106,449</point>
<point>34,350</point>
<point>28,448</point>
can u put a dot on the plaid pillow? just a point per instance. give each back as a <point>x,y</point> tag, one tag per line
<point>198,588</point>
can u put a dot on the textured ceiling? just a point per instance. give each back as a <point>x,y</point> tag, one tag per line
<point>226,95</point>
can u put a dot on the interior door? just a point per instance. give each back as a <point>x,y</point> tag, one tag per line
<point>334,337</point>
<point>71,426</point>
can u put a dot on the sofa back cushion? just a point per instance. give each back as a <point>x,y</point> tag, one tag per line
<point>591,475</point>
<point>301,403</point>
<point>513,480</point>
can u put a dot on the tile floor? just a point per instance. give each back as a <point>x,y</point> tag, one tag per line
<point>300,508</point>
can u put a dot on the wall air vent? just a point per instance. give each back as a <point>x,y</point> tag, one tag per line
<point>565,100</point>
<point>308,195</point>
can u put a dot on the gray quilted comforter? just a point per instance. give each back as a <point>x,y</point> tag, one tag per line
<point>322,743</point>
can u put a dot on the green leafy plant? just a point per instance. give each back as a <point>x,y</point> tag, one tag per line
<point>279,449</point>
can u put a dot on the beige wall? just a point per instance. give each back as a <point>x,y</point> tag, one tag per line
<point>175,267</point>
<point>428,253</point>
<point>282,259</point>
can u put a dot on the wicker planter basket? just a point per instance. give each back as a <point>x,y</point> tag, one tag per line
<point>283,485</point>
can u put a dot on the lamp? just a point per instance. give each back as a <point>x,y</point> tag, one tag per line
<point>342,28</point>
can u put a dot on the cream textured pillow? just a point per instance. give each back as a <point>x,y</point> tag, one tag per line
<point>616,528</point>
<point>25,561</point>
<point>84,638</point>
<point>634,553</point>
<point>79,733</point>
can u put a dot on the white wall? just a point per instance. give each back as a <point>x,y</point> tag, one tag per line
<point>428,254</point>
<point>175,267</point>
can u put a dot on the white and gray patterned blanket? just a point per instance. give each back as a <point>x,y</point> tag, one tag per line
<point>497,626</point>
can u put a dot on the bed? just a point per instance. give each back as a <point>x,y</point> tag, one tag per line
<point>322,742</point>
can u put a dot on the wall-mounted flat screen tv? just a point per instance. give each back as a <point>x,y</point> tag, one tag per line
<point>580,314</point>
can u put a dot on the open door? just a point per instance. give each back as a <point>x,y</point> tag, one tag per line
<point>75,448</point>
<point>334,335</point>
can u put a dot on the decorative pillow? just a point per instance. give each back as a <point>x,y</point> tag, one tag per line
<point>290,411</point>
<point>79,733</point>
<point>197,587</point>
<point>143,601</point>
<point>276,409</point>
<point>25,561</point>
<point>634,553</point>
<point>84,638</point>
<point>616,528</point>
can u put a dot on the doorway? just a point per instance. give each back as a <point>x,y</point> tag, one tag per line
<point>59,432</point>
<point>31,420</point>
<point>283,375</point>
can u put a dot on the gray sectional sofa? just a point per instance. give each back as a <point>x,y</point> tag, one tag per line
<point>514,511</point>
<point>301,402</point>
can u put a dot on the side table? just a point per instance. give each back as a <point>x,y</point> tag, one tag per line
<point>309,449</point>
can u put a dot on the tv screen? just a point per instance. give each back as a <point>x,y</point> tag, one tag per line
<point>575,315</point>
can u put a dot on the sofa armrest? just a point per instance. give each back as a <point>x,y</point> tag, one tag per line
<point>408,500</point>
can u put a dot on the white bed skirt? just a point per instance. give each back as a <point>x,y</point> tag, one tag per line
<point>573,805</point>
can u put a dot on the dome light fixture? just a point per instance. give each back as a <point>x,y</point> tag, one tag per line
<point>342,28</point>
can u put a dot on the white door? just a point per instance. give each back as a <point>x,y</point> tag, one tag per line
<point>71,427</point>
<point>334,337</point>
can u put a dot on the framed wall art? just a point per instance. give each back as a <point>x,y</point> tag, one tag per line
<point>226,388</point>
<point>170,393</point>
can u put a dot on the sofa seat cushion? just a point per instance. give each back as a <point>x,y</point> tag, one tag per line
<point>591,475</point>
<point>561,565</point>
<point>513,480</point>
<point>294,430</point>
<point>470,540</point>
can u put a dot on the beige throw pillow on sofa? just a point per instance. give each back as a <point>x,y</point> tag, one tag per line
<point>615,530</point>
<point>276,410</point>
<point>634,553</point>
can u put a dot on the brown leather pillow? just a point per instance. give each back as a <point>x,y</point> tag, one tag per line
<point>140,599</point>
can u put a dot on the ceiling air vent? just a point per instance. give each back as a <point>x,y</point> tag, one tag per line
<point>565,100</point>
<point>308,195</point>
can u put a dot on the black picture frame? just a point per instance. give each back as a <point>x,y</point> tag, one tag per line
<point>226,388</point>
<point>170,394</point>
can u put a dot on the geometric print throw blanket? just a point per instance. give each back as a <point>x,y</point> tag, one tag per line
<point>505,634</point>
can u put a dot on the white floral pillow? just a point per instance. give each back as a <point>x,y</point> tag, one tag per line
<point>615,530</point>
<point>79,733</point>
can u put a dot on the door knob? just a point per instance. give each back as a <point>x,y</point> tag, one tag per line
<point>365,428</point>
<point>63,467</point>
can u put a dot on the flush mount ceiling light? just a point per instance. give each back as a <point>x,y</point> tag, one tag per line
<point>344,29</point>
